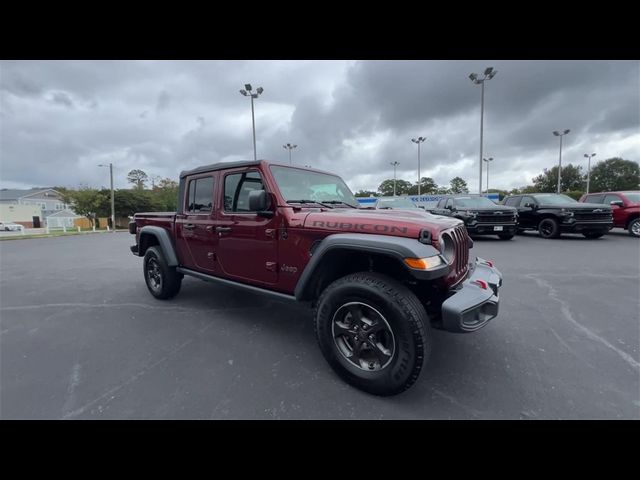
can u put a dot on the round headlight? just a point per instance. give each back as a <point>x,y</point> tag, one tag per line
<point>447,247</point>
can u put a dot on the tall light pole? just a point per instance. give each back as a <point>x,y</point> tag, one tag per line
<point>395,164</point>
<point>558,134</point>
<point>289,147</point>
<point>418,140</point>
<point>589,168</point>
<point>247,93</point>
<point>489,73</point>
<point>113,208</point>
<point>490,159</point>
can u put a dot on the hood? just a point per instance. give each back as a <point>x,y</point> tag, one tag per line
<point>491,209</point>
<point>577,206</point>
<point>399,223</point>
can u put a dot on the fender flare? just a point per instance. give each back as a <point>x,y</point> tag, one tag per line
<point>164,240</point>
<point>397,248</point>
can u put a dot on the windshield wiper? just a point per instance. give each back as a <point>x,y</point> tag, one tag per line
<point>310,201</point>
<point>338,202</point>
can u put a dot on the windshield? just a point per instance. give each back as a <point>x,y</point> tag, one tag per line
<point>395,203</point>
<point>473,202</point>
<point>554,199</point>
<point>297,184</point>
<point>632,196</point>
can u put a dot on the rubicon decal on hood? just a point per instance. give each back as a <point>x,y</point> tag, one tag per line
<point>364,227</point>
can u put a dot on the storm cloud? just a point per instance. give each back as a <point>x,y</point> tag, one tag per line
<point>59,119</point>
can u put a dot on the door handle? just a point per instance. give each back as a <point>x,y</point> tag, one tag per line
<point>223,229</point>
<point>189,226</point>
<point>209,228</point>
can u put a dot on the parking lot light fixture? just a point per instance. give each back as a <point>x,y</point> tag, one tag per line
<point>247,92</point>
<point>418,140</point>
<point>113,209</point>
<point>490,159</point>
<point>589,169</point>
<point>289,147</point>
<point>489,73</point>
<point>395,164</point>
<point>558,134</point>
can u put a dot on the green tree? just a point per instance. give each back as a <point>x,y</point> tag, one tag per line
<point>165,194</point>
<point>615,174</point>
<point>127,202</point>
<point>458,185</point>
<point>427,187</point>
<point>572,179</point>
<point>86,202</point>
<point>386,187</point>
<point>366,193</point>
<point>138,178</point>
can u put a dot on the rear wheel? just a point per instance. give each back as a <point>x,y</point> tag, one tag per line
<point>373,331</point>
<point>634,227</point>
<point>548,228</point>
<point>593,234</point>
<point>162,280</point>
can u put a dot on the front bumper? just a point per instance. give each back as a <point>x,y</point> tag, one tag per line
<point>570,226</point>
<point>472,306</point>
<point>489,228</point>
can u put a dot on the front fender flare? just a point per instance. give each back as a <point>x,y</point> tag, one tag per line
<point>398,248</point>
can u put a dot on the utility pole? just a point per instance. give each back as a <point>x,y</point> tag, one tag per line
<point>418,140</point>
<point>395,164</point>
<point>247,93</point>
<point>113,209</point>
<point>489,73</point>
<point>558,134</point>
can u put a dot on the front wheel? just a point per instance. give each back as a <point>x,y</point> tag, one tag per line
<point>548,228</point>
<point>373,331</point>
<point>162,280</point>
<point>634,227</point>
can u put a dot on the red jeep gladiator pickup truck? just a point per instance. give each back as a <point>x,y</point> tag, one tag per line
<point>378,280</point>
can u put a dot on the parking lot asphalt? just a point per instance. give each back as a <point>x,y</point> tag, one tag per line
<point>81,338</point>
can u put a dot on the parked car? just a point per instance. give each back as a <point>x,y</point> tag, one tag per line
<point>480,215</point>
<point>553,214</point>
<point>379,280</point>
<point>395,203</point>
<point>9,226</point>
<point>625,206</point>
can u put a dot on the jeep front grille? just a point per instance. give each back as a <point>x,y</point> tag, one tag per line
<point>454,246</point>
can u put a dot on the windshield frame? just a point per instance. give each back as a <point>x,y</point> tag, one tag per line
<point>349,199</point>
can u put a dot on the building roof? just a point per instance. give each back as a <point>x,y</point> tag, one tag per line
<point>64,214</point>
<point>15,194</point>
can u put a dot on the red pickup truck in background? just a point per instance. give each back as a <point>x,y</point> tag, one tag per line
<point>378,280</point>
<point>625,206</point>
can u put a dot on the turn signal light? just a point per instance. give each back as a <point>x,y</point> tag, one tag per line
<point>423,263</point>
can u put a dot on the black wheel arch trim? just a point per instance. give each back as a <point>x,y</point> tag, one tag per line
<point>164,240</point>
<point>397,248</point>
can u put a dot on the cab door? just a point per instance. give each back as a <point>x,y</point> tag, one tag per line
<point>527,216</point>
<point>195,228</point>
<point>247,242</point>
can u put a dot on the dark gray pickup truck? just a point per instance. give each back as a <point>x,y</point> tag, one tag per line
<point>480,215</point>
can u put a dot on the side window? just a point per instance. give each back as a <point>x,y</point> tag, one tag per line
<point>449,202</point>
<point>236,190</point>
<point>527,200</point>
<point>200,195</point>
<point>610,198</point>
<point>512,202</point>
<point>594,199</point>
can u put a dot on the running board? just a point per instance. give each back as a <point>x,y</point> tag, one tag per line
<point>211,278</point>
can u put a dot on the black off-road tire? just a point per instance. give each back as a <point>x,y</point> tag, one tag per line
<point>401,311</point>
<point>634,227</point>
<point>162,280</point>
<point>549,228</point>
<point>506,236</point>
<point>593,235</point>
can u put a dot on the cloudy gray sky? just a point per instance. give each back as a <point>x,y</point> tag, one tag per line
<point>59,119</point>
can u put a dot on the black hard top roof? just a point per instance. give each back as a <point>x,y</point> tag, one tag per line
<point>220,166</point>
<point>244,163</point>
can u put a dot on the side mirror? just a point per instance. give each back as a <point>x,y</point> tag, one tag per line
<point>619,203</point>
<point>259,203</point>
<point>530,205</point>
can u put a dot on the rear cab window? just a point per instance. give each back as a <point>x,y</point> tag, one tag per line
<point>199,200</point>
